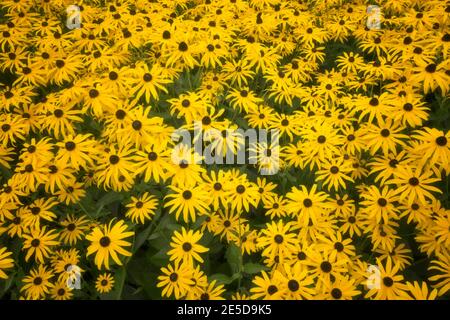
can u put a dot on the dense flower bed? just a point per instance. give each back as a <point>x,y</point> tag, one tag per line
<point>349,203</point>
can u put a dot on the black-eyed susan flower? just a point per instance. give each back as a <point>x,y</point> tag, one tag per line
<point>434,145</point>
<point>199,282</point>
<point>297,283</point>
<point>212,291</point>
<point>307,205</point>
<point>108,241</point>
<point>380,204</point>
<point>40,210</point>
<point>176,280</point>
<point>142,208</point>
<point>153,162</point>
<point>37,284</point>
<point>334,174</point>
<point>188,202</point>
<point>391,287</point>
<point>147,82</point>
<point>341,289</point>
<point>38,243</point>
<point>227,224</point>
<point>185,247</point>
<point>104,283</point>
<point>277,240</point>
<point>74,229</point>
<point>113,163</point>
<point>242,194</point>
<point>91,123</point>
<point>60,291</point>
<point>77,151</point>
<point>268,287</point>
<point>414,183</point>
<point>421,291</point>
<point>5,262</point>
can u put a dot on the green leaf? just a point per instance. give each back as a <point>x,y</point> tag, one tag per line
<point>142,274</point>
<point>116,293</point>
<point>160,258</point>
<point>233,256</point>
<point>154,235</point>
<point>223,278</point>
<point>109,198</point>
<point>253,268</point>
<point>142,236</point>
<point>6,284</point>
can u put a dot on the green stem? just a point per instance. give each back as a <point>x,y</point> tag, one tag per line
<point>241,264</point>
<point>84,209</point>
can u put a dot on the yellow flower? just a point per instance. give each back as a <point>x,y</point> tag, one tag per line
<point>104,283</point>
<point>142,208</point>
<point>39,243</point>
<point>107,241</point>
<point>5,262</point>
<point>185,247</point>
<point>176,280</point>
<point>188,201</point>
<point>37,284</point>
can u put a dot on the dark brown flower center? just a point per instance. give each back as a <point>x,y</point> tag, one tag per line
<point>413,181</point>
<point>321,139</point>
<point>185,103</point>
<point>187,246</point>
<point>93,93</point>
<point>105,241</point>
<point>137,125</point>
<point>382,202</point>
<point>187,194</point>
<point>431,68</point>
<point>114,159</point>
<point>113,76</point>
<point>120,114</point>
<point>441,141</point>
<point>272,289</point>
<point>240,189</point>
<point>152,156</point>
<point>407,107</point>
<point>293,285</point>
<point>60,63</point>
<point>388,282</point>
<point>147,77</point>
<point>339,246</point>
<point>385,133</point>
<point>70,146</point>
<point>336,293</point>
<point>183,47</point>
<point>278,239</point>
<point>325,266</point>
<point>307,202</point>
<point>173,277</point>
